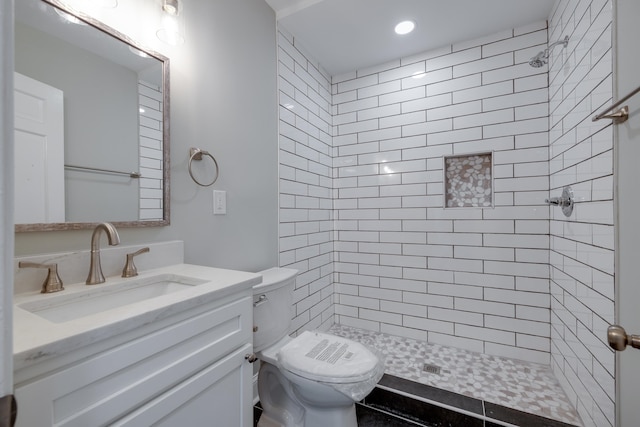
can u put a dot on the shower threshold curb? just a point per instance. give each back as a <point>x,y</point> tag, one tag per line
<point>426,405</point>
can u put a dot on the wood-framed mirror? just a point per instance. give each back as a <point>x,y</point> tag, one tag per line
<point>92,123</point>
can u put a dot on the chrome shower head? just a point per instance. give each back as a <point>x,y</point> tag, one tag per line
<point>542,57</point>
<point>538,61</point>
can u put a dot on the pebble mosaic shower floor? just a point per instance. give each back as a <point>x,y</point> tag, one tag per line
<point>524,386</point>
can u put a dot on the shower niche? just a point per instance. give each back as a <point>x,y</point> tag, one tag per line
<point>468,181</point>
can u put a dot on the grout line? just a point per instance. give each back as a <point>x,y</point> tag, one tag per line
<point>502,423</point>
<point>432,402</point>
<point>391,414</point>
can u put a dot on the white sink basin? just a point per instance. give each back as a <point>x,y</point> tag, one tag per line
<point>97,298</point>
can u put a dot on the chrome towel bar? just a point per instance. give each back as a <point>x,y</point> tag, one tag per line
<point>114,172</point>
<point>619,116</point>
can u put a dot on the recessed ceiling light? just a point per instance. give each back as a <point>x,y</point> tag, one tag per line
<point>405,27</point>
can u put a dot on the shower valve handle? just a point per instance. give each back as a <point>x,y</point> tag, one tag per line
<point>565,202</point>
<point>558,201</point>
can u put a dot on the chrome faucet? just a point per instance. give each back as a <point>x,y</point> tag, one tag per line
<point>95,269</point>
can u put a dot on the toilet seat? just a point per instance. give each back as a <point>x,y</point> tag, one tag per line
<point>329,359</point>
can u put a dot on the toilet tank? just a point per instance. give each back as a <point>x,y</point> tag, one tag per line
<point>272,306</point>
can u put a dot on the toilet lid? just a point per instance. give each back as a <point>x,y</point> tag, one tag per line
<point>327,358</point>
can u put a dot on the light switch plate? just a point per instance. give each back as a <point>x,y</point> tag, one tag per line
<point>219,202</point>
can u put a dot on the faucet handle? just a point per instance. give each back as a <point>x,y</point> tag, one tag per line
<point>130,269</point>
<point>52,283</point>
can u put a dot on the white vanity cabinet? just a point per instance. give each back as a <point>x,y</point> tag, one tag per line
<point>187,369</point>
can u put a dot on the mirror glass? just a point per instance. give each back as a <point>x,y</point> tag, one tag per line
<point>91,115</point>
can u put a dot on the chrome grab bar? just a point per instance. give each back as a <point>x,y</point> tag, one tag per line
<point>619,116</point>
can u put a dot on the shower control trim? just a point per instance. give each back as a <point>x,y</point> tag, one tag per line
<point>565,201</point>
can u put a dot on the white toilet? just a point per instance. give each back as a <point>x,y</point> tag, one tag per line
<point>312,380</point>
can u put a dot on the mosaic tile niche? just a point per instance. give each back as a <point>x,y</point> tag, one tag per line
<point>468,181</point>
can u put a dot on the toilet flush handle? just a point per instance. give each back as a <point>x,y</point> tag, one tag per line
<point>250,357</point>
<point>261,300</point>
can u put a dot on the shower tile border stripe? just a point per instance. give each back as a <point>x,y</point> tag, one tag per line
<point>439,401</point>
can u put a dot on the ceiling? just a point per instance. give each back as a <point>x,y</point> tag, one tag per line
<point>347,35</point>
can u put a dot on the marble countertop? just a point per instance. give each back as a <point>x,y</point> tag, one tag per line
<point>36,338</point>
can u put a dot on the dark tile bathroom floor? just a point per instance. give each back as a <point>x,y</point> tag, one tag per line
<point>397,402</point>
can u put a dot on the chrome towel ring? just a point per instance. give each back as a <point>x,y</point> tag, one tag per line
<point>196,154</point>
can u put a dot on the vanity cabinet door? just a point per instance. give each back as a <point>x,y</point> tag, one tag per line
<point>97,390</point>
<point>218,396</point>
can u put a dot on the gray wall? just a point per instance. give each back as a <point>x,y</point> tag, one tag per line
<point>223,99</point>
<point>94,89</point>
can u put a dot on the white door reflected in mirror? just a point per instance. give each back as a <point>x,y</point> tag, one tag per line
<point>39,152</point>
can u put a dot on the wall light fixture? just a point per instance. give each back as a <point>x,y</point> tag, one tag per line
<point>172,27</point>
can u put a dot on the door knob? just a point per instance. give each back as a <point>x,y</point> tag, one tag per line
<point>619,340</point>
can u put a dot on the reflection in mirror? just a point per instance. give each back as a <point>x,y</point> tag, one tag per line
<point>91,136</point>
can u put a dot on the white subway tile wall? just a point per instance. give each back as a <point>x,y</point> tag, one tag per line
<point>306,183</point>
<point>466,277</point>
<point>404,264</point>
<point>581,246</point>
<point>362,198</point>
<point>151,163</point>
